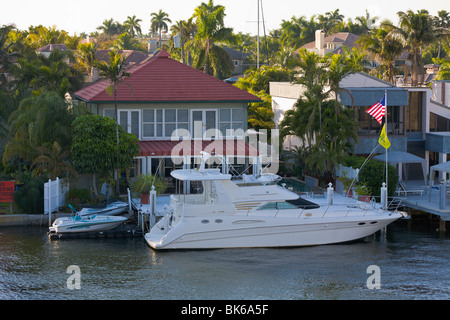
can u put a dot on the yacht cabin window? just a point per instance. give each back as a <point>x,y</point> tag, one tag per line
<point>277,206</point>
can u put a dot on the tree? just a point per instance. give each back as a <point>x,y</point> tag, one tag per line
<point>415,31</point>
<point>39,120</point>
<point>313,77</point>
<point>367,22</point>
<point>256,81</point>
<point>339,67</point>
<point>211,30</point>
<point>444,69</point>
<point>114,71</point>
<point>86,56</point>
<point>37,73</point>
<point>132,26</point>
<point>159,22</point>
<point>384,49</point>
<point>110,27</point>
<point>298,31</point>
<point>53,162</point>
<point>441,25</point>
<point>329,20</point>
<point>7,51</point>
<point>93,148</point>
<point>40,36</point>
<point>126,42</point>
<point>186,29</point>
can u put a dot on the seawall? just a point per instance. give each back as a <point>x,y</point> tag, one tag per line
<point>12,220</point>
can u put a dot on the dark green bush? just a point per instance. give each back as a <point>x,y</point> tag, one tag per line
<point>76,197</point>
<point>29,197</point>
<point>373,174</point>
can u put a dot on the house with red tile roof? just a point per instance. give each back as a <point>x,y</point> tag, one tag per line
<point>163,102</point>
<point>332,43</point>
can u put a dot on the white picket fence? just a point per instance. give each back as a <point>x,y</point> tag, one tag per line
<point>55,195</point>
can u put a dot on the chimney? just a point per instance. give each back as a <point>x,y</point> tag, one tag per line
<point>320,42</point>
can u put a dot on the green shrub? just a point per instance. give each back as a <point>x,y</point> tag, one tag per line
<point>373,174</point>
<point>77,196</point>
<point>29,198</point>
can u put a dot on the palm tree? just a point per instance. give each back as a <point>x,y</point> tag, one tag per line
<point>132,25</point>
<point>114,71</point>
<point>384,49</point>
<point>7,51</point>
<point>86,56</point>
<point>313,77</point>
<point>110,27</point>
<point>54,162</point>
<point>415,31</point>
<point>441,25</point>
<point>339,67</point>
<point>367,22</point>
<point>126,42</point>
<point>38,120</point>
<point>187,30</point>
<point>159,23</point>
<point>330,20</point>
<point>211,30</point>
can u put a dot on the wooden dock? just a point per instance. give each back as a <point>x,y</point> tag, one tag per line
<point>122,231</point>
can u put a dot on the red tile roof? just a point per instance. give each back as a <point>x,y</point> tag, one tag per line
<point>348,39</point>
<point>162,79</point>
<point>52,47</point>
<point>193,148</point>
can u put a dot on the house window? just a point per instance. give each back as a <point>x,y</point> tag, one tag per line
<point>414,112</point>
<point>148,123</point>
<point>230,121</point>
<point>159,123</point>
<point>129,120</point>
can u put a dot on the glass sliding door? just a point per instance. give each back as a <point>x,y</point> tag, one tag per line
<point>130,121</point>
<point>203,122</point>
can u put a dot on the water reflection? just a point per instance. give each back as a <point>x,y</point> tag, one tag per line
<point>413,264</point>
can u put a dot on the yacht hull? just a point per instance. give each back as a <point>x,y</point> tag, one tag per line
<point>241,232</point>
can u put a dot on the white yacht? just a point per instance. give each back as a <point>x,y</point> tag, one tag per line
<point>230,215</point>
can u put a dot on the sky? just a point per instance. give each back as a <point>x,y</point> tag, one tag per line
<point>242,15</point>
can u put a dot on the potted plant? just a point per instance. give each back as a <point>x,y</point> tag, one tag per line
<point>363,193</point>
<point>143,185</point>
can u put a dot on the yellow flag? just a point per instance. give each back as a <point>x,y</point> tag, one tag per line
<point>383,140</point>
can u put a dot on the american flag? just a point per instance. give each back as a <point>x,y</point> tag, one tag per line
<point>378,110</point>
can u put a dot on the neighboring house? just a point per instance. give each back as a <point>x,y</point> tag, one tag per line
<point>166,97</point>
<point>132,58</point>
<point>418,118</point>
<point>333,43</point>
<point>238,59</point>
<point>49,48</point>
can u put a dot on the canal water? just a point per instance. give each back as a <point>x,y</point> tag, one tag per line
<point>404,262</point>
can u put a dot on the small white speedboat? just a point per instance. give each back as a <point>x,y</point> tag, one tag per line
<point>79,224</point>
<point>112,209</point>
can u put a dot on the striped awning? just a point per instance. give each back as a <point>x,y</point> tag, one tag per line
<point>194,147</point>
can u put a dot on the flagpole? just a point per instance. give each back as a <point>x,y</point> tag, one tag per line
<point>385,122</point>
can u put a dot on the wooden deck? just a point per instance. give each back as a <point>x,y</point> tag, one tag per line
<point>428,201</point>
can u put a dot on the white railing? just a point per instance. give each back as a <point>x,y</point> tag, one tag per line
<point>349,172</point>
